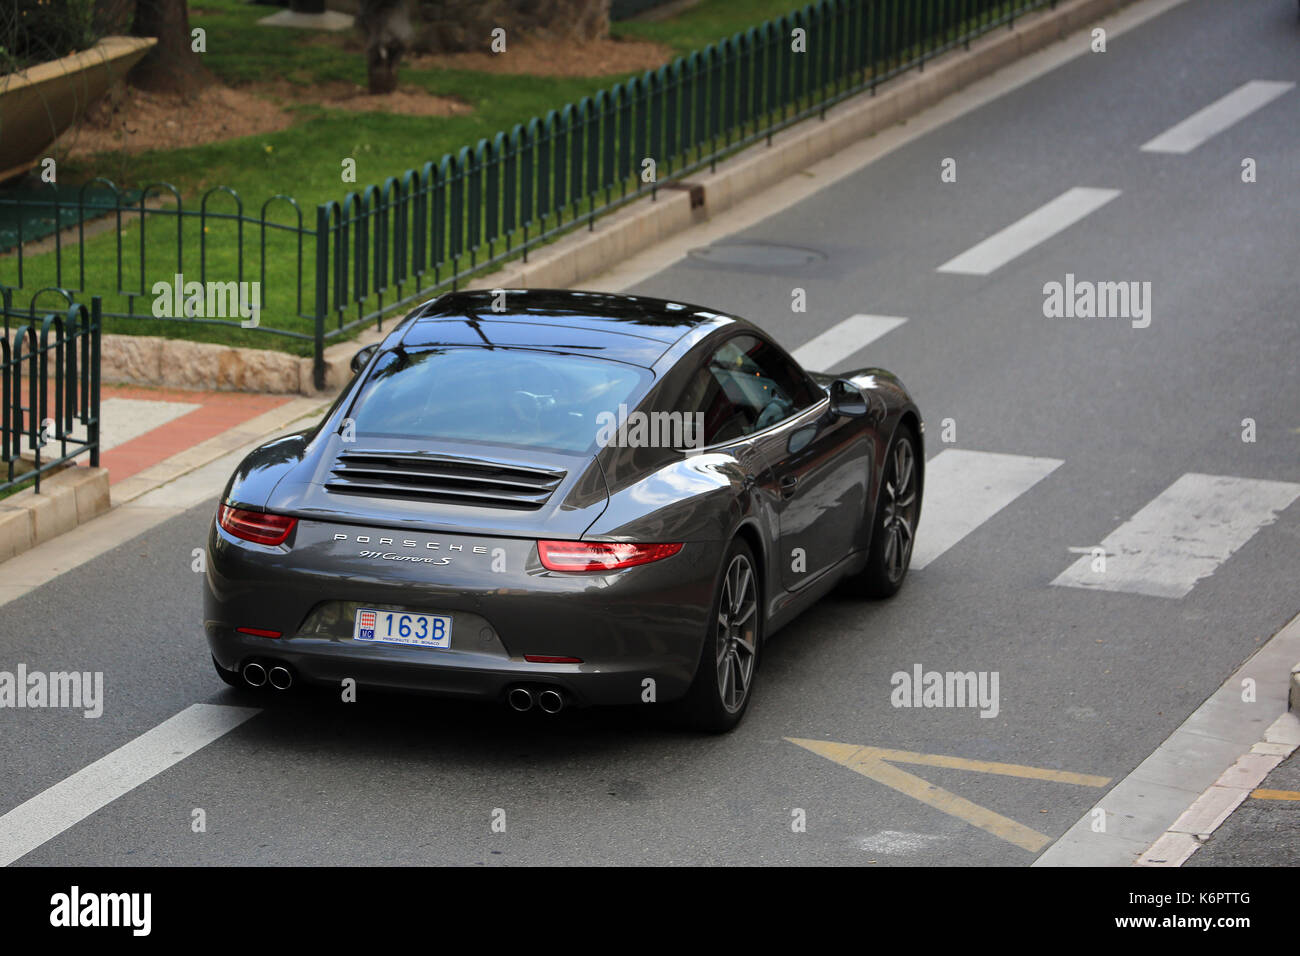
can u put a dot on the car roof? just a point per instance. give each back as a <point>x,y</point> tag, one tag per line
<point>628,328</point>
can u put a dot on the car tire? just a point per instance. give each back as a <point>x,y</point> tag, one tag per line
<point>893,529</point>
<point>724,679</point>
<point>233,678</point>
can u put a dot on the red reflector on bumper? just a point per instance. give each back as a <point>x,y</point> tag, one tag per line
<point>543,659</point>
<point>257,631</point>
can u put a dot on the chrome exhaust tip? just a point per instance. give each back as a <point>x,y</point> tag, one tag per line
<point>280,677</point>
<point>551,701</point>
<point>520,698</point>
<point>254,674</point>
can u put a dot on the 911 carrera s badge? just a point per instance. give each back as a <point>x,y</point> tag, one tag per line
<point>409,558</point>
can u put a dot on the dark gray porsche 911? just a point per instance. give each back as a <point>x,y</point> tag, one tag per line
<point>550,498</point>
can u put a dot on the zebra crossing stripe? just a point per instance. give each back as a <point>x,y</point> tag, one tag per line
<point>963,489</point>
<point>1182,535</point>
<point>843,340</point>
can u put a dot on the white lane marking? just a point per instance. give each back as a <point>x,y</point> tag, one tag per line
<point>1218,116</point>
<point>1182,535</point>
<point>122,419</point>
<point>963,489</point>
<point>1023,234</point>
<point>843,340</point>
<point>71,800</point>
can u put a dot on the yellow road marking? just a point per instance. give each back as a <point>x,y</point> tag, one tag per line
<point>877,764</point>
<point>1264,794</point>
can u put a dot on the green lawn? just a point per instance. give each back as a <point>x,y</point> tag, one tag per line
<point>304,161</point>
<point>705,23</point>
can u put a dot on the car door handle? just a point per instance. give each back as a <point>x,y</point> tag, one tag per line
<point>788,485</point>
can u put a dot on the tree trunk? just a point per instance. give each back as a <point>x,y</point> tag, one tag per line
<point>172,65</point>
<point>387,27</point>
<point>453,26</point>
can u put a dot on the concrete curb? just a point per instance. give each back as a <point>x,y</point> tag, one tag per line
<point>1163,809</point>
<point>582,254</point>
<point>68,497</point>
<point>1208,811</point>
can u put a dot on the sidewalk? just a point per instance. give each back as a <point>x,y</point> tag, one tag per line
<point>143,426</point>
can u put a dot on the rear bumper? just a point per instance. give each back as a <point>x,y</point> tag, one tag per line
<point>641,624</point>
<point>449,674</point>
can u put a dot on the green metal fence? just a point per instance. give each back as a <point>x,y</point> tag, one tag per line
<point>386,245</point>
<point>49,389</point>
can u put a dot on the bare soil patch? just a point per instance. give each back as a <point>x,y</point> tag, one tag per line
<point>128,120</point>
<point>541,58</point>
<point>405,100</point>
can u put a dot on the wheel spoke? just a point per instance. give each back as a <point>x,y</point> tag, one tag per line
<point>903,466</point>
<point>742,618</point>
<point>742,589</point>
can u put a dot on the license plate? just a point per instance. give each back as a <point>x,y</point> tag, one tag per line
<point>400,627</point>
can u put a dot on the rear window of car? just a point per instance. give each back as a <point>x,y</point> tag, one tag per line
<point>505,396</point>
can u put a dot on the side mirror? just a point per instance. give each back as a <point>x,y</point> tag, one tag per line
<point>847,400</point>
<point>362,357</point>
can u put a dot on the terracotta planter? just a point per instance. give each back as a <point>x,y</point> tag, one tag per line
<point>39,103</point>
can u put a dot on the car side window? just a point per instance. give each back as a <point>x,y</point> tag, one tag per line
<point>745,387</point>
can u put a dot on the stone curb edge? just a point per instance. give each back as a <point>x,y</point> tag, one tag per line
<point>69,497</point>
<point>1208,811</point>
<point>1217,803</point>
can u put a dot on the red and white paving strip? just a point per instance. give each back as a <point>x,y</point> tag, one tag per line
<point>141,427</point>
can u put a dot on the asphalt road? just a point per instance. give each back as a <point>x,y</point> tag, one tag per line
<point>1091,681</point>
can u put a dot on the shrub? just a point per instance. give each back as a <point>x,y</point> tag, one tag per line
<point>33,31</point>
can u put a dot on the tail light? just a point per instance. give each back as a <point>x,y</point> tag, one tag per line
<point>256,526</point>
<point>600,555</point>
